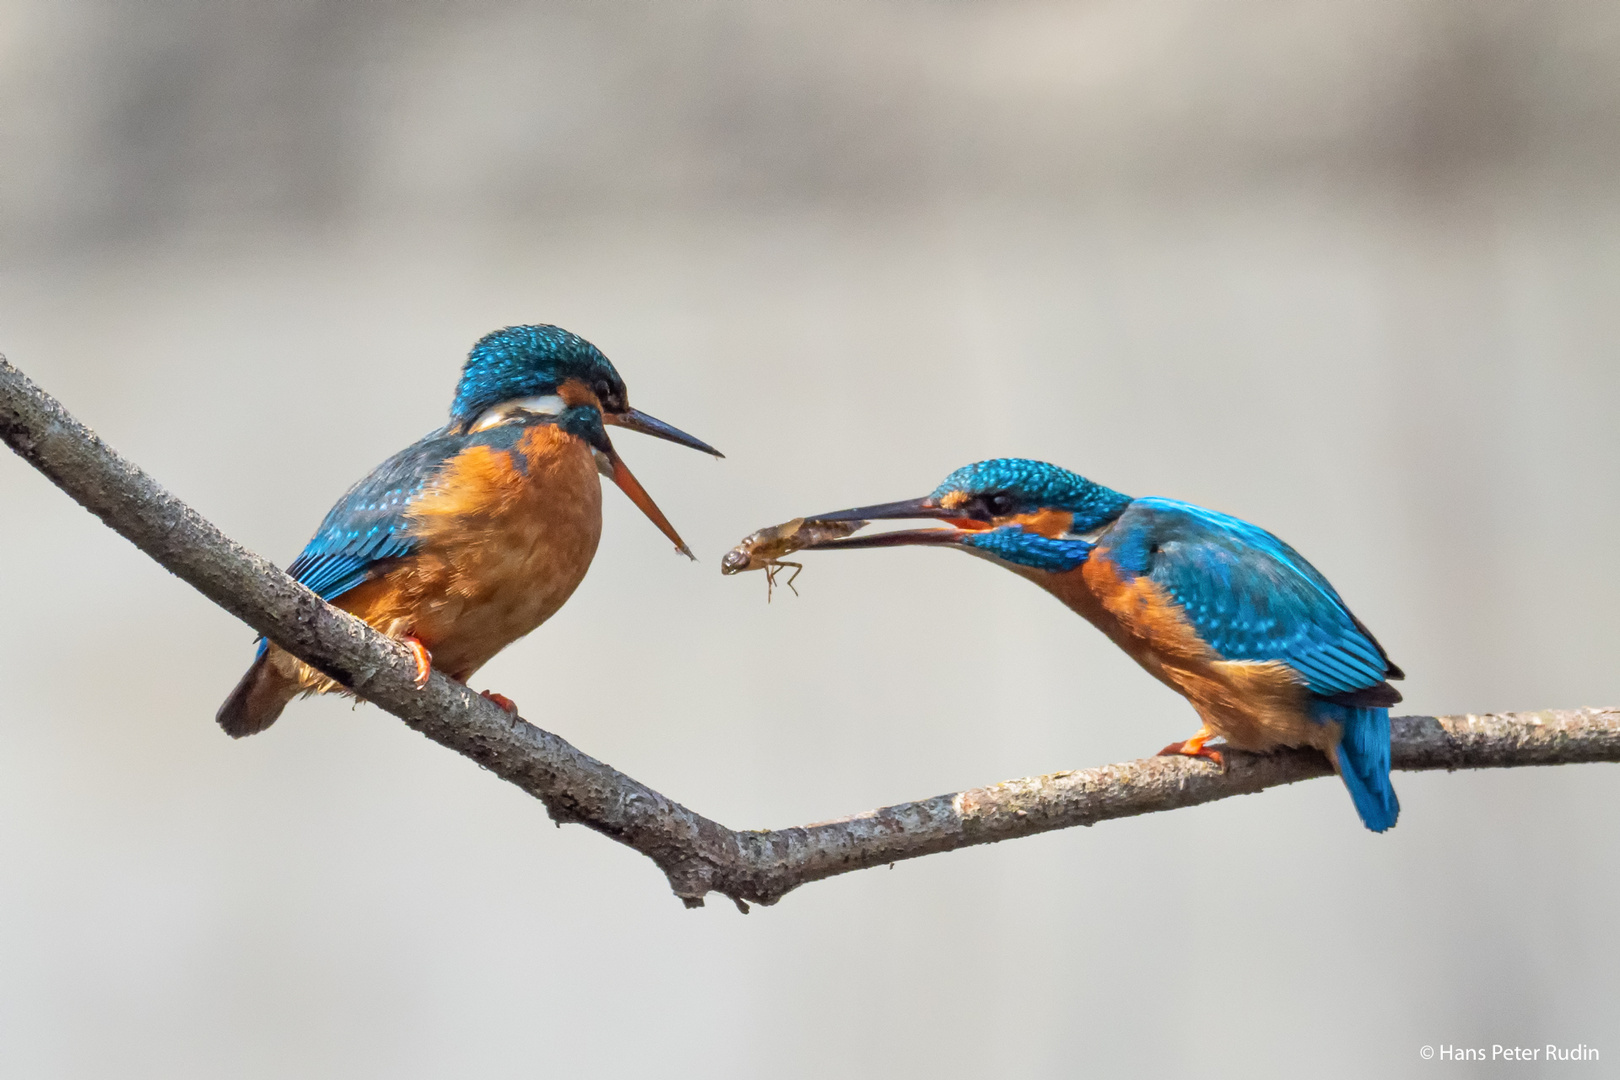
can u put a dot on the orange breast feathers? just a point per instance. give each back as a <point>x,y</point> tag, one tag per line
<point>1254,705</point>
<point>504,541</point>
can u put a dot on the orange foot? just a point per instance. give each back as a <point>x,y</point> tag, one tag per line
<point>1194,747</point>
<point>500,699</point>
<point>424,660</point>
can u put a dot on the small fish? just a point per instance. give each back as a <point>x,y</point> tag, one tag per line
<point>763,550</point>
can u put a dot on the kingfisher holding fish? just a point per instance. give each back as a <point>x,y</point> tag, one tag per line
<point>476,534</point>
<point>1219,610</point>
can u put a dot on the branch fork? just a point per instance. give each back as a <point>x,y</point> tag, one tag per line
<point>697,855</point>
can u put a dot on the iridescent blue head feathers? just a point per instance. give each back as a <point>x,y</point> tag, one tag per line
<point>1002,487</point>
<point>532,361</point>
<point>1019,511</point>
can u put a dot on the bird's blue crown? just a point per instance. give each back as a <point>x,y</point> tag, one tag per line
<point>1022,486</point>
<point>1006,487</point>
<point>531,361</point>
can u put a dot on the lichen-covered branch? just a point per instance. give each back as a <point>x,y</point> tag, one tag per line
<point>700,856</point>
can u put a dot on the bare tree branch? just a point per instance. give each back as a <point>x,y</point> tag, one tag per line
<point>698,855</point>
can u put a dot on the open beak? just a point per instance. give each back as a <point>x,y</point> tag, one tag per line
<point>908,508</point>
<point>636,420</point>
<point>620,474</point>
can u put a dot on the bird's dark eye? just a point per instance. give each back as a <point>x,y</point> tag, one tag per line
<point>999,504</point>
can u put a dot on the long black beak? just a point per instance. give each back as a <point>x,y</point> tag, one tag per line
<point>636,420</point>
<point>899,538</point>
<point>907,508</point>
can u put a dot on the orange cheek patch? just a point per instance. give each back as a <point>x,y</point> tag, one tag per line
<point>574,392</point>
<point>953,499</point>
<point>1051,524</point>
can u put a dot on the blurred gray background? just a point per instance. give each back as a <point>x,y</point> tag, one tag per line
<point>1347,270</point>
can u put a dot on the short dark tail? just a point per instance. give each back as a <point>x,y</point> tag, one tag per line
<point>1364,763</point>
<point>257,700</point>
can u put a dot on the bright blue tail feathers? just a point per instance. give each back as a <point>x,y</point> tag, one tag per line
<point>1364,762</point>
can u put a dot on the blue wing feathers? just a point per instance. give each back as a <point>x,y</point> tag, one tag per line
<point>369,527</point>
<point>1252,597</point>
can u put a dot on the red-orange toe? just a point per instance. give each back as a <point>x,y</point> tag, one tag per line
<point>500,699</point>
<point>1189,749</point>
<point>424,660</point>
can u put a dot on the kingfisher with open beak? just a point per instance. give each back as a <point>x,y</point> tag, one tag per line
<point>1219,610</point>
<point>476,534</point>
